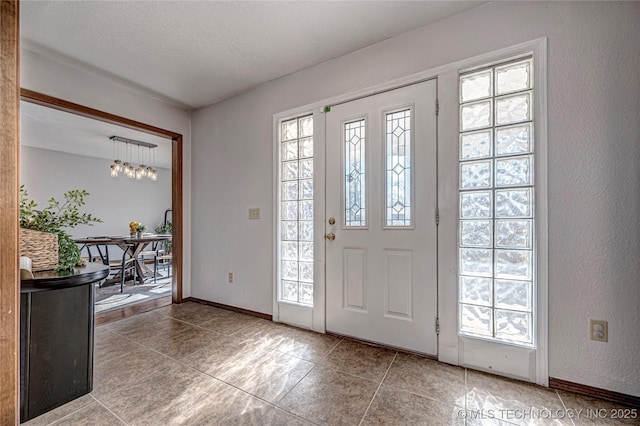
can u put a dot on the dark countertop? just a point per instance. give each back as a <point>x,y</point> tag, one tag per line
<point>54,280</point>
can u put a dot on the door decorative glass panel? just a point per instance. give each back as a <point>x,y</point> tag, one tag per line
<point>398,169</point>
<point>355,174</point>
<point>497,223</point>
<point>296,211</point>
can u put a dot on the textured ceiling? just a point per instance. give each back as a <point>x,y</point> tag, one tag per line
<point>47,128</point>
<point>198,53</point>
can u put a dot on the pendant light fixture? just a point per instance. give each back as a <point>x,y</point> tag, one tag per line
<point>116,167</point>
<point>154,173</point>
<point>127,167</point>
<point>139,170</point>
<point>151,173</point>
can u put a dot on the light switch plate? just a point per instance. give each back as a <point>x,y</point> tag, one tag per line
<point>254,213</point>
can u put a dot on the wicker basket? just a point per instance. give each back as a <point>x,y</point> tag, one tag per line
<point>41,247</point>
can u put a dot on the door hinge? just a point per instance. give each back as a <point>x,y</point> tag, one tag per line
<point>437,216</point>
<point>437,326</point>
<point>437,106</point>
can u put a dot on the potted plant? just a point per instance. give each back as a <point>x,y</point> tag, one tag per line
<point>140,229</point>
<point>166,228</point>
<point>54,219</point>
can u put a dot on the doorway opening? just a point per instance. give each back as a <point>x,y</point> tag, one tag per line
<point>173,204</point>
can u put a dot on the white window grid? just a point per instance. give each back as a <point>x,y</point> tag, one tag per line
<point>496,253</point>
<point>296,240</point>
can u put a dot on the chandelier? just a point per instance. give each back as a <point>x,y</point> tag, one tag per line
<point>126,167</point>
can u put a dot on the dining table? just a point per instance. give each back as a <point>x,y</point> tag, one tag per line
<point>133,245</point>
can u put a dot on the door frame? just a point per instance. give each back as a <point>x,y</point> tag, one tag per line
<point>176,167</point>
<point>9,183</point>
<point>10,95</point>
<point>447,131</point>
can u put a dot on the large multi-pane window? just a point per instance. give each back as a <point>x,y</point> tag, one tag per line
<point>296,211</point>
<point>496,181</point>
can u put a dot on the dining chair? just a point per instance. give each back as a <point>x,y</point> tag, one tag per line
<point>124,265</point>
<point>162,261</point>
<point>150,256</point>
<point>118,268</point>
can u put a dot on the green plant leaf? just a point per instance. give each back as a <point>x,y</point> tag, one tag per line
<point>54,218</point>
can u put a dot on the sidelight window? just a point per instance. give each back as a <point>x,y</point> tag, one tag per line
<point>496,203</point>
<point>296,211</point>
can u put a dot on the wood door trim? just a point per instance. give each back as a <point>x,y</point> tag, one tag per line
<point>85,111</point>
<point>176,217</point>
<point>176,169</point>
<point>9,168</point>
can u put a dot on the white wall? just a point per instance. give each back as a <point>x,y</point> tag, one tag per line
<point>594,168</point>
<point>117,201</point>
<point>73,83</point>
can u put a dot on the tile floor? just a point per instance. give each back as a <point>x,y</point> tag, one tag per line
<point>192,364</point>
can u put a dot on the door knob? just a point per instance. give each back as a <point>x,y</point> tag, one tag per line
<point>330,236</point>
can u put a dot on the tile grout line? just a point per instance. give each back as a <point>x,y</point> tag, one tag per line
<point>180,361</point>
<point>274,405</point>
<point>152,370</point>
<point>112,413</point>
<point>309,360</point>
<point>346,373</point>
<point>330,351</point>
<point>175,319</point>
<point>67,415</point>
<point>288,392</point>
<point>237,331</point>
<point>195,370</point>
<point>315,364</point>
<point>423,395</point>
<point>208,329</point>
<point>564,405</point>
<point>378,389</point>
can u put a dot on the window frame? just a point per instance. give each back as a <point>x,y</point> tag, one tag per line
<point>493,158</point>
<point>412,192</point>
<point>278,210</point>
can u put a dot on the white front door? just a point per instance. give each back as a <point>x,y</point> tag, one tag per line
<point>381,246</point>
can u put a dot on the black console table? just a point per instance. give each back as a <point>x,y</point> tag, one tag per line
<point>56,337</point>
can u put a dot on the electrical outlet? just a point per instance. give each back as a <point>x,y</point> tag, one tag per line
<point>254,213</point>
<point>230,277</point>
<point>599,330</point>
